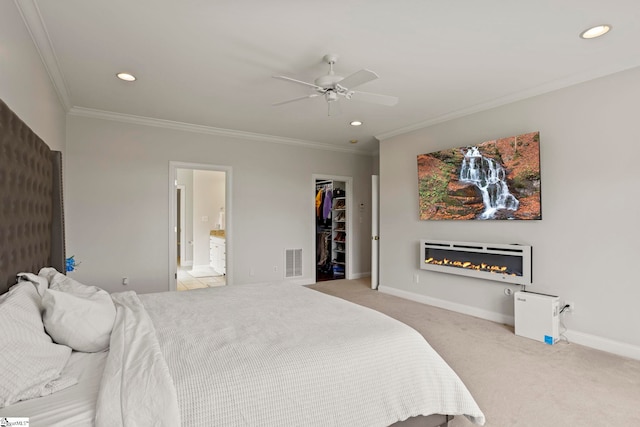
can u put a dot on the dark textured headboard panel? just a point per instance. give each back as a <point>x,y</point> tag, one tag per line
<point>31,209</point>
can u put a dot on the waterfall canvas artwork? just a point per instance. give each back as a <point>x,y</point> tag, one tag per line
<point>497,179</point>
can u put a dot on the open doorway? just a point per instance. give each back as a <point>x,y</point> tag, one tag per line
<point>332,227</point>
<point>200,221</point>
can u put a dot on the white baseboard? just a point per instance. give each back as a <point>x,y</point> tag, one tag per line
<point>604,344</point>
<point>360,275</point>
<point>448,305</point>
<point>186,263</point>
<point>587,340</point>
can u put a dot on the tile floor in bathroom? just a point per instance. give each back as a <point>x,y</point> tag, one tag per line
<point>187,280</point>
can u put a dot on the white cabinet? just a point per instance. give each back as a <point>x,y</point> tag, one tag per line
<point>217,254</point>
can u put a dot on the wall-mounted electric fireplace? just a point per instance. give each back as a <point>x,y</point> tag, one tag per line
<point>491,261</point>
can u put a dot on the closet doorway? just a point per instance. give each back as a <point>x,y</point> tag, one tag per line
<point>200,226</point>
<point>332,227</point>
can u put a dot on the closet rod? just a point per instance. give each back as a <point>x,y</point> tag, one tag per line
<point>324,182</point>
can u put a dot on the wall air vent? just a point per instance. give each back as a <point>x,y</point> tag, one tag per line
<point>293,263</point>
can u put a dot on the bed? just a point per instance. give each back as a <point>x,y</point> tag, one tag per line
<point>252,355</point>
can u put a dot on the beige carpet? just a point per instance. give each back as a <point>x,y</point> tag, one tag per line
<point>516,381</point>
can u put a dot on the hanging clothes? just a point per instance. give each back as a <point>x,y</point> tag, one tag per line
<point>326,208</point>
<point>319,197</point>
<point>323,248</point>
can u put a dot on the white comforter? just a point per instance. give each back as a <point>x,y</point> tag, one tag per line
<point>270,355</point>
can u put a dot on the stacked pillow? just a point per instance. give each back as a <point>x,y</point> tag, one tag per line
<point>77,315</point>
<point>43,318</point>
<point>30,363</point>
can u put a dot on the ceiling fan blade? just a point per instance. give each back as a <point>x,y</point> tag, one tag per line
<point>358,78</point>
<point>300,82</point>
<point>375,98</point>
<point>313,95</point>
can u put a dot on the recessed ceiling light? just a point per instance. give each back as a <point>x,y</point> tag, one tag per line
<point>597,31</point>
<point>353,141</point>
<point>126,77</point>
<point>356,123</point>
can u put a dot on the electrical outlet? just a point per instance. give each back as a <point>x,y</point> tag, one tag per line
<point>571,307</point>
<point>125,281</point>
<point>275,268</point>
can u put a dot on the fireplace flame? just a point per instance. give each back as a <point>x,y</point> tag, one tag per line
<point>466,264</point>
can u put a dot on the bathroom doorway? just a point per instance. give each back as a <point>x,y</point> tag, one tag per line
<point>200,233</point>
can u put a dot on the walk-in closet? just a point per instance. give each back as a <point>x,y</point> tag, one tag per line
<point>331,230</point>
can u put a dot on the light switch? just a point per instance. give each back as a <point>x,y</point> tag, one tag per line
<point>205,219</point>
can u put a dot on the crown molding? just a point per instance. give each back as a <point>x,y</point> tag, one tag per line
<point>519,96</point>
<point>35,25</point>
<point>188,127</point>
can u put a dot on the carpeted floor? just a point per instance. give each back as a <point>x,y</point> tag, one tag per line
<point>516,381</point>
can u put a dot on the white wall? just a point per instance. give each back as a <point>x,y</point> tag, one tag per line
<point>118,202</point>
<point>586,247</point>
<point>25,85</point>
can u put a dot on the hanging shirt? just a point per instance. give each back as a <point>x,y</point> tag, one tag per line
<point>326,208</point>
<point>319,203</point>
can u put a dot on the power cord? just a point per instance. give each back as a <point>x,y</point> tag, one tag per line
<point>561,333</point>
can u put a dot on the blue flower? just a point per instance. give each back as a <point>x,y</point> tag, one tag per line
<point>71,264</point>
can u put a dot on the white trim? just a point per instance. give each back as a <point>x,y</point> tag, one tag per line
<point>183,227</point>
<point>588,340</point>
<point>448,305</point>
<point>210,130</point>
<point>360,275</point>
<point>173,176</point>
<point>604,344</point>
<point>35,25</point>
<point>312,209</point>
<point>575,79</point>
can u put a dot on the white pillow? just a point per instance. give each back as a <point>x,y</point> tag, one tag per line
<point>78,315</point>
<point>30,364</point>
<point>41,283</point>
<point>48,273</point>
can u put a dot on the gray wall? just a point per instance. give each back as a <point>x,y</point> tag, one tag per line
<point>118,201</point>
<point>25,85</point>
<point>586,246</point>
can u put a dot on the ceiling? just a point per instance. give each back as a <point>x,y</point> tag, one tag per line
<point>210,63</point>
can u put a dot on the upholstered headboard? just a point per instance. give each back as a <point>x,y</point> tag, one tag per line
<point>31,209</point>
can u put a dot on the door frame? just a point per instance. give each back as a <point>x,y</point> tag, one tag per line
<point>173,182</point>
<point>183,252</point>
<point>375,231</point>
<point>348,182</point>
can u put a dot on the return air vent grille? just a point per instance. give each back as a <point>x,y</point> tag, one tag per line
<point>293,263</point>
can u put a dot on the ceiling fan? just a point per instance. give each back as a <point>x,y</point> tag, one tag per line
<point>333,86</point>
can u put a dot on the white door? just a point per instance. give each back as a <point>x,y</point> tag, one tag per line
<point>374,231</point>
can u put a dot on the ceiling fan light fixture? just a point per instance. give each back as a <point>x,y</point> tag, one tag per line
<point>594,32</point>
<point>356,123</point>
<point>127,77</point>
